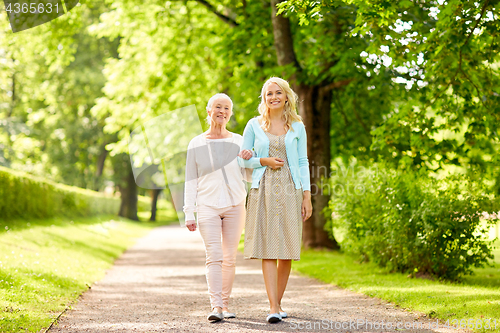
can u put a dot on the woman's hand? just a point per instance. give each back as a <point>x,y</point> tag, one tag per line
<point>306,206</point>
<point>245,154</point>
<point>272,162</point>
<point>191,225</point>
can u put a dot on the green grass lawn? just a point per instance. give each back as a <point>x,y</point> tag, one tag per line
<point>477,297</point>
<point>46,264</point>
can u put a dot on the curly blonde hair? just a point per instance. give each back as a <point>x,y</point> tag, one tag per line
<point>289,113</point>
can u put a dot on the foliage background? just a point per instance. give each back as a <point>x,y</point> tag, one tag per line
<point>410,85</point>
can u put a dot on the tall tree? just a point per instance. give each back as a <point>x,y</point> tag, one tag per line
<point>315,109</point>
<point>321,64</point>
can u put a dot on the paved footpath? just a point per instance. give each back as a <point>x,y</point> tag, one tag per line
<point>159,285</point>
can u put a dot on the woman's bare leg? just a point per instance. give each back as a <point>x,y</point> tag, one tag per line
<point>284,268</point>
<point>270,273</point>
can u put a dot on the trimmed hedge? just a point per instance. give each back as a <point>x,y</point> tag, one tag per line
<point>26,196</point>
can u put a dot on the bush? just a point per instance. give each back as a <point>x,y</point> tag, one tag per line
<point>26,196</point>
<point>410,223</point>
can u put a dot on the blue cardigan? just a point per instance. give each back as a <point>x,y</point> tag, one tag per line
<point>296,152</point>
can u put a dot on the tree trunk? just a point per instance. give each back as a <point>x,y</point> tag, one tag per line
<point>154,201</point>
<point>100,166</point>
<point>315,110</point>
<point>128,191</point>
<point>314,107</point>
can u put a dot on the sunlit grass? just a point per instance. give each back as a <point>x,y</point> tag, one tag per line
<point>476,297</point>
<point>46,264</point>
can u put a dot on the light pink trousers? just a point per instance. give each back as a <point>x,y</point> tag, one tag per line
<point>221,230</point>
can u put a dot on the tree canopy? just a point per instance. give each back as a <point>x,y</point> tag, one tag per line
<point>412,84</point>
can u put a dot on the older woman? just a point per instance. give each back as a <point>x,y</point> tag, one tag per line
<point>214,188</point>
<point>280,197</point>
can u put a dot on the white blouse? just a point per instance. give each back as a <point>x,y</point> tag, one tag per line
<point>213,176</point>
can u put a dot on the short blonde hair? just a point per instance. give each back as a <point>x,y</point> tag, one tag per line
<point>211,102</point>
<point>289,113</point>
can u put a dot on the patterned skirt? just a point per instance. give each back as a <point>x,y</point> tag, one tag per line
<point>273,228</point>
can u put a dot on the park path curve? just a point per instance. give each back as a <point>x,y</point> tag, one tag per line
<point>159,285</point>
